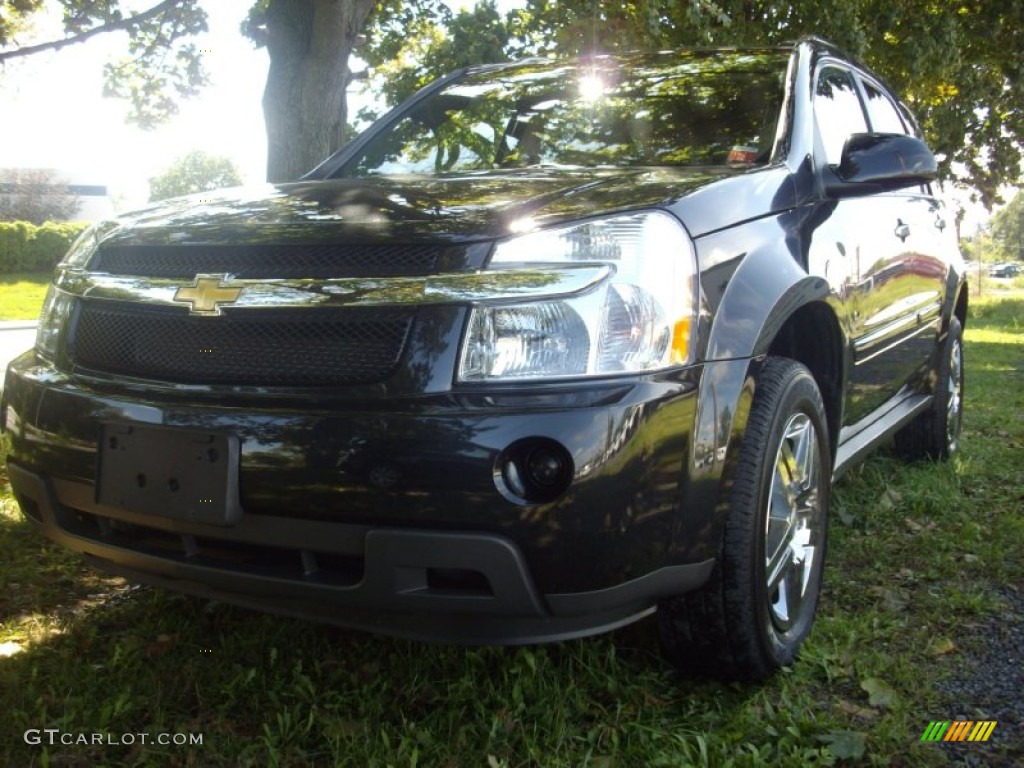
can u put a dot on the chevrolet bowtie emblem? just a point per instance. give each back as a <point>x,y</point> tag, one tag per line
<point>207,293</point>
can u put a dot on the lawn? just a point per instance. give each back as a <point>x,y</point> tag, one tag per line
<point>22,294</point>
<point>922,561</point>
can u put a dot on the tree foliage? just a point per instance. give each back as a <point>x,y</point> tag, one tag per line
<point>958,63</point>
<point>411,44</point>
<point>1008,230</point>
<point>35,196</point>
<point>195,172</point>
<point>15,16</point>
<point>160,65</point>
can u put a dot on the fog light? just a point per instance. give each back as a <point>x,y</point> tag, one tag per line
<point>545,467</point>
<point>535,470</point>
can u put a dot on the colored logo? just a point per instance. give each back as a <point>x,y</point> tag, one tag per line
<point>207,293</point>
<point>958,730</point>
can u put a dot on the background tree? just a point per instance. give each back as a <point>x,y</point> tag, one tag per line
<point>160,65</point>
<point>304,102</point>
<point>35,196</point>
<point>1007,231</point>
<point>195,172</point>
<point>409,46</point>
<point>309,43</point>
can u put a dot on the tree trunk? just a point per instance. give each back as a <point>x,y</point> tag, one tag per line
<point>304,107</point>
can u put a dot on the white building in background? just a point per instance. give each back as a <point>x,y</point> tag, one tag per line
<point>94,201</point>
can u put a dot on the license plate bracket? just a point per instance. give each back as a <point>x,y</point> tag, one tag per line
<point>172,472</point>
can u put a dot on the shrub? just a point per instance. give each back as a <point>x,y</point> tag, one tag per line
<point>27,247</point>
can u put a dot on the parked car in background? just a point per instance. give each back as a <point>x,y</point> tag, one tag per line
<point>1004,270</point>
<point>550,347</point>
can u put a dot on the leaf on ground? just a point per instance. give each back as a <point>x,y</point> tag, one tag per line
<point>889,499</point>
<point>654,701</point>
<point>845,745</point>
<point>895,600</point>
<point>161,646</point>
<point>880,693</point>
<point>915,527</point>
<point>857,710</point>
<point>940,646</point>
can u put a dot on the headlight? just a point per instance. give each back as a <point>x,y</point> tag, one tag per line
<point>52,321</point>
<point>83,249</point>
<point>639,319</point>
<point>57,306</point>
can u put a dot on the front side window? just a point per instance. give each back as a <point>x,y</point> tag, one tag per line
<point>659,110</point>
<point>885,118</point>
<point>838,111</point>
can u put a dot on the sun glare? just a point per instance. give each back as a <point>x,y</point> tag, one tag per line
<point>592,87</point>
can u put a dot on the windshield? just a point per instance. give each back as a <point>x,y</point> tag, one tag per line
<point>678,109</point>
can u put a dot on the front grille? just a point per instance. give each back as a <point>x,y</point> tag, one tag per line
<point>259,262</point>
<point>241,347</point>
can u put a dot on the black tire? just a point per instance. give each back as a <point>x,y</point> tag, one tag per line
<point>739,626</point>
<point>935,434</point>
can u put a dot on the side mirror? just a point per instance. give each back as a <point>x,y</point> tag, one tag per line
<point>874,162</point>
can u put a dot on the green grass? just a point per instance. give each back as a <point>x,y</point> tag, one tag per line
<point>22,294</point>
<point>918,556</point>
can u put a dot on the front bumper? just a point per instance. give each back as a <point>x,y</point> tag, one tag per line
<point>386,517</point>
<point>407,585</point>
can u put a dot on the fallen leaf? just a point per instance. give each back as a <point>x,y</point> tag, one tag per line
<point>880,693</point>
<point>161,646</point>
<point>895,600</point>
<point>889,499</point>
<point>940,646</point>
<point>857,710</point>
<point>845,745</point>
<point>915,527</point>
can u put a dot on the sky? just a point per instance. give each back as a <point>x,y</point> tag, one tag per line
<point>52,114</point>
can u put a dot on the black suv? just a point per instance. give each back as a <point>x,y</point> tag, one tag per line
<point>549,347</point>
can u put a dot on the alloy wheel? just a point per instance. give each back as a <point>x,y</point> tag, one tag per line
<point>794,520</point>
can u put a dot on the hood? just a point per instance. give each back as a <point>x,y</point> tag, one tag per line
<point>455,209</point>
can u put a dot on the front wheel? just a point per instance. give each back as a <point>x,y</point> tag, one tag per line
<point>754,613</point>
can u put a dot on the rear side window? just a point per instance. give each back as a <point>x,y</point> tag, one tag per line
<point>838,111</point>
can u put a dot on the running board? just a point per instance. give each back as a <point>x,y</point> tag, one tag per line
<point>854,447</point>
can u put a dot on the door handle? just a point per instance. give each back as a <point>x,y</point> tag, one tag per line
<point>902,230</point>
